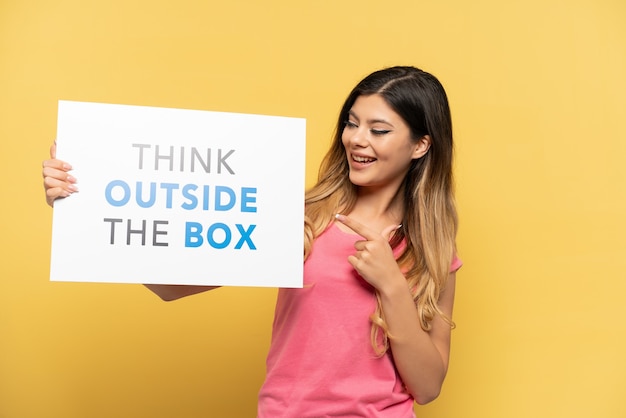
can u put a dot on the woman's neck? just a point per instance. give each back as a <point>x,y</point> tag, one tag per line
<point>378,208</point>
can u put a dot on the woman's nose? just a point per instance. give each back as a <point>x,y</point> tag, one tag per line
<point>358,137</point>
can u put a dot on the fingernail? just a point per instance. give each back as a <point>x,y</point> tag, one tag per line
<point>66,166</point>
<point>339,217</point>
<point>73,188</point>
<point>71,179</point>
<point>399,226</point>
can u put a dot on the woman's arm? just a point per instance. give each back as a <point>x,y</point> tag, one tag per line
<point>421,357</point>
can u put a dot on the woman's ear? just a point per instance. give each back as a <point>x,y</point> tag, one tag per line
<point>421,147</point>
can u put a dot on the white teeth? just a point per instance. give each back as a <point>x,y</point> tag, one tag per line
<point>362,159</point>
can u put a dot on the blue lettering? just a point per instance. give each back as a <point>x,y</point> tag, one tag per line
<point>211,232</point>
<point>187,194</point>
<point>205,202</point>
<point>192,234</point>
<point>219,191</point>
<point>169,187</point>
<point>109,191</point>
<point>138,197</point>
<point>245,237</point>
<point>246,199</point>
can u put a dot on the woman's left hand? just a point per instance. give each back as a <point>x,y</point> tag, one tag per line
<point>374,259</point>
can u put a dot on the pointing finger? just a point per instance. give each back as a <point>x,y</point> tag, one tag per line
<point>388,232</point>
<point>357,227</point>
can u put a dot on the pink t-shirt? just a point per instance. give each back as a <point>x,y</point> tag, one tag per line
<point>321,362</point>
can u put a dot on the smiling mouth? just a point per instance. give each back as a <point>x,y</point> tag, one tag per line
<point>358,159</point>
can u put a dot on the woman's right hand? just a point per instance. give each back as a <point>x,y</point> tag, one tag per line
<point>57,181</point>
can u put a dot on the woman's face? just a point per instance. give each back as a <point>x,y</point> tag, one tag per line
<point>378,144</point>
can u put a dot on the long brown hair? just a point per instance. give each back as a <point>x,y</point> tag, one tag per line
<point>429,225</point>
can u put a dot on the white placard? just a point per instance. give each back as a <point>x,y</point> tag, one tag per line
<point>172,196</point>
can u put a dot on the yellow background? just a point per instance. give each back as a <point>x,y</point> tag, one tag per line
<point>538,95</point>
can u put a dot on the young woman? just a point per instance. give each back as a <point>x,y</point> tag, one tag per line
<point>369,333</point>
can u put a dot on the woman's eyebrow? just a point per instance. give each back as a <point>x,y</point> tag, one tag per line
<point>386,122</point>
<point>371,121</point>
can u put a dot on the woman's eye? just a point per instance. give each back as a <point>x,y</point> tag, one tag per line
<point>380,132</point>
<point>350,124</point>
